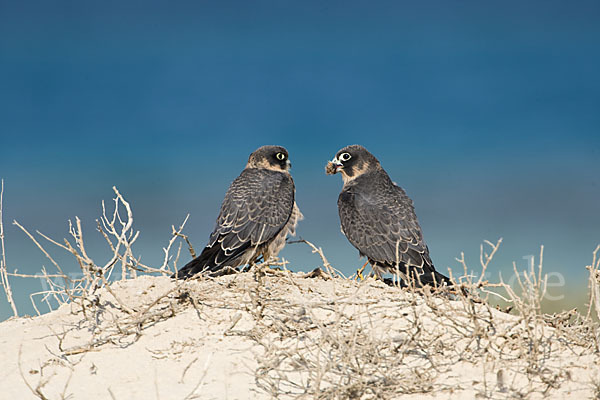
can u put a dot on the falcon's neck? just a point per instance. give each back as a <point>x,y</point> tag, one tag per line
<point>370,175</point>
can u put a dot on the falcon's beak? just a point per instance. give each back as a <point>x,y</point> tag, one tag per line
<point>288,164</point>
<point>337,164</point>
<point>333,167</point>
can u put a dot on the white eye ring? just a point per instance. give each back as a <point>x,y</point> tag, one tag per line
<point>280,156</point>
<point>345,156</point>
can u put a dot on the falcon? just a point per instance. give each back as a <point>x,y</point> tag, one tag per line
<point>379,219</point>
<point>257,214</point>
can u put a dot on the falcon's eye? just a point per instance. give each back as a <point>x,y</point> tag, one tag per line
<point>345,156</point>
<point>280,156</point>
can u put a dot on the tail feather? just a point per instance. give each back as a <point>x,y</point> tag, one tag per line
<point>434,278</point>
<point>418,277</point>
<point>212,261</point>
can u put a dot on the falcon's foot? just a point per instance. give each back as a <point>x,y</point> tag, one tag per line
<point>359,272</point>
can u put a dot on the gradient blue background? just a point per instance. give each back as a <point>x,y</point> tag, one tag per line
<point>487,113</point>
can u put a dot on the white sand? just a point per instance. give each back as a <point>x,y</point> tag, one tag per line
<point>308,330</point>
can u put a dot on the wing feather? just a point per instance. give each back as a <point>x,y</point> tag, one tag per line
<point>378,218</point>
<point>257,206</point>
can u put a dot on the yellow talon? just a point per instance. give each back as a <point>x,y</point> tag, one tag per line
<point>359,272</point>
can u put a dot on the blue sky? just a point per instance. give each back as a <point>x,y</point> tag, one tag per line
<point>485,112</point>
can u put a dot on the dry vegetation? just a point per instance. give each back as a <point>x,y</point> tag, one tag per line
<point>291,335</point>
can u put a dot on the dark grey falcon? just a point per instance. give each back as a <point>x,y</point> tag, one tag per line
<point>257,214</point>
<point>379,219</point>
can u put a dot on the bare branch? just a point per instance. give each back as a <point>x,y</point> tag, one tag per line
<point>3,267</point>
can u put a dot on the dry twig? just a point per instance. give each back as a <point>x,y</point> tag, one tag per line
<point>3,267</point>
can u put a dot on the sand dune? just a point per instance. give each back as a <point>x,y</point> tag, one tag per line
<point>284,335</point>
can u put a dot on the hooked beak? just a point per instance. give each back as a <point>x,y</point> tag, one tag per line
<point>333,167</point>
<point>288,164</point>
<point>337,164</point>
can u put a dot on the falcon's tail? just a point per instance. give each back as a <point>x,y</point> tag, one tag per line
<point>212,261</point>
<point>434,278</point>
<point>437,280</point>
<point>427,276</point>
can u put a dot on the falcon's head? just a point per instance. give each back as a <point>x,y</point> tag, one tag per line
<point>271,157</point>
<point>352,162</point>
